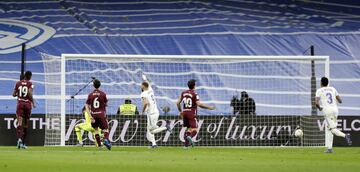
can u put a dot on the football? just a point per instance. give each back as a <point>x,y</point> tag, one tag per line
<point>298,133</point>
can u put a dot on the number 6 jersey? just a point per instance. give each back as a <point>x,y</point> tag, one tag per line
<point>189,99</point>
<point>327,97</point>
<point>97,101</point>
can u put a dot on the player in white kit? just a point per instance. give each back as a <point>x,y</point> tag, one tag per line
<point>151,111</point>
<point>328,97</point>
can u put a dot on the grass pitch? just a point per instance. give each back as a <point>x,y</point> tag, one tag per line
<point>175,159</point>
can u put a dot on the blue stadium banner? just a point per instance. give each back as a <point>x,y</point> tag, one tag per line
<point>213,130</point>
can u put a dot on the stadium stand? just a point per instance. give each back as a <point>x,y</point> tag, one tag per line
<point>231,27</point>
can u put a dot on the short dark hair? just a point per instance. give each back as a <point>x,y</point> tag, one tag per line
<point>324,81</point>
<point>97,83</point>
<point>127,101</point>
<point>145,84</point>
<point>191,84</point>
<point>28,75</point>
<point>244,94</point>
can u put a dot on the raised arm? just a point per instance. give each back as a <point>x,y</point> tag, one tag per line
<point>146,80</point>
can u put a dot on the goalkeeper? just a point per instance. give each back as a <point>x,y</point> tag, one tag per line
<point>85,126</point>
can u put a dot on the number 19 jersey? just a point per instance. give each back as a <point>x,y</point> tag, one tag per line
<point>23,87</point>
<point>189,99</point>
<point>327,97</point>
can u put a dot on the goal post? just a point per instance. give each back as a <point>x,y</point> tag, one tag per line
<point>63,99</point>
<point>279,85</point>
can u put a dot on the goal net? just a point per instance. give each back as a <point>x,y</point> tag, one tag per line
<point>260,100</point>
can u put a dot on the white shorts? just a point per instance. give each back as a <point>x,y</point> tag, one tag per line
<point>331,118</point>
<point>152,120</point>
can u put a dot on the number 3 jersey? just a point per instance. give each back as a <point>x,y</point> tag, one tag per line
<point>189,99</point>
<point>327,97</point>
<point>150,97</point>
<point>97,101</point>
<point>23,87</point>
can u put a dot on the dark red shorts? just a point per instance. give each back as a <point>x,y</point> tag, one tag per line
<point>189,120</point>
<point>100,121</point>
<point>23,109</point>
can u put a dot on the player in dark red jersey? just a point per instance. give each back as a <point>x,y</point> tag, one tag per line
<point>23,91</point>
<point>96,106</point>
<point>191,101</point>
